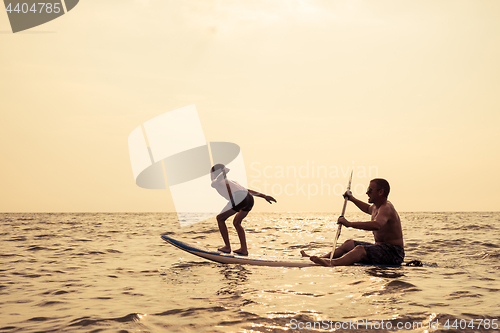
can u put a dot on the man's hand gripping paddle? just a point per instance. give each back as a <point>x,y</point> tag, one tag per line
<point>339,228</point>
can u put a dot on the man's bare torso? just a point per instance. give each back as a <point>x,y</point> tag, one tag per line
<point>391,232</point>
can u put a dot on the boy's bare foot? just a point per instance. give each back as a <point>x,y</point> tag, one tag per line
<point>225,249</point>
<point>304,254</point>
<point>242,252</point>
<point>320,261</point>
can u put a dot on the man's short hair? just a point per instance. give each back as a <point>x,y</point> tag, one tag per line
<point>382,184</point>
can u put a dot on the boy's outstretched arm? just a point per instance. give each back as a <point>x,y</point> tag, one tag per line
<point>268,198</point>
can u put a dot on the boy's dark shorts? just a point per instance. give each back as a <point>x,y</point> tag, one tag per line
<point>244,201</point>
<point>382,254</point>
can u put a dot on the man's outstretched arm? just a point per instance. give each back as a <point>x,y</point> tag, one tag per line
<point>363,206</point>
<point>380,221</point>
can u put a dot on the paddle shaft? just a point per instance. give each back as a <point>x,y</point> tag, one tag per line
<point>228,189</point>
<point>339,228</point>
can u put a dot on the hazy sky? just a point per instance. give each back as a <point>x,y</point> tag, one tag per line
<point>404,90</point>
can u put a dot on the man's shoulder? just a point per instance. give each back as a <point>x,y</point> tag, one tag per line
<point>388,208</point>
<point>391,211</point>
<point>388,205</point>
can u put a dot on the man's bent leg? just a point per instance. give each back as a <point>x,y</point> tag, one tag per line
<point>356,255</point>
<point>347,246</point>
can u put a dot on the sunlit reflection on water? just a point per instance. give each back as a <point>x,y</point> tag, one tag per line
<point>111,272</point>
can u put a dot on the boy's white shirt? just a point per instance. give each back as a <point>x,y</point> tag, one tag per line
<point>220,185</point>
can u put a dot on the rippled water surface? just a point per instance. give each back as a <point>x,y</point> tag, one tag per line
<point>113,273</point>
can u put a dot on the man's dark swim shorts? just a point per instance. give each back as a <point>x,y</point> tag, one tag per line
<point>382,254</point>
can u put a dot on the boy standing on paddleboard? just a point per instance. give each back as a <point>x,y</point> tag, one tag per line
<point>240,203</point>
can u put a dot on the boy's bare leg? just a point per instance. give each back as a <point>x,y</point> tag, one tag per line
<point>221,221</point>
<point>354,256</point>
<point>241,232</point>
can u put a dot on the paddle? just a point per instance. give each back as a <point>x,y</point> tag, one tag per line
<point>340,225</point>
<point>228,188</point>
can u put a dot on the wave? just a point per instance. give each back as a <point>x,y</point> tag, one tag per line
<point>86,321</point>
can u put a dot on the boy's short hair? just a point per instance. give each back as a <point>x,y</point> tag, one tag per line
<point>217,169</point>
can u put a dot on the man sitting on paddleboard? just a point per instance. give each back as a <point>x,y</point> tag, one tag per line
<point>385,224</point>
<point>240,202</point>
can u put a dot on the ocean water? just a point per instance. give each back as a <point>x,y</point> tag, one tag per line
<point>113,273</point>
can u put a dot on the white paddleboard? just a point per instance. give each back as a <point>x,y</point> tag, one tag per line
<point>228,258</point>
